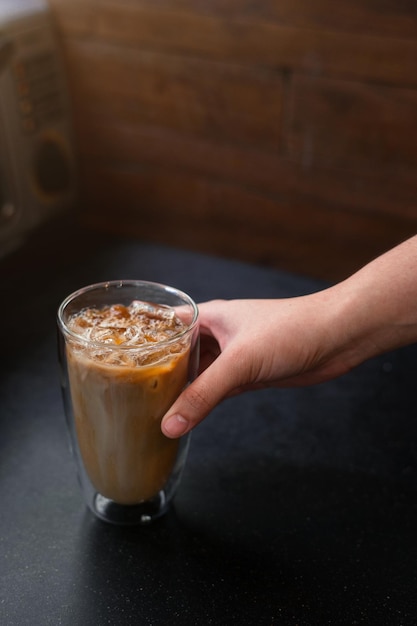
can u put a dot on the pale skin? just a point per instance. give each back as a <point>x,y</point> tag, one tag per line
<point>292,342</point>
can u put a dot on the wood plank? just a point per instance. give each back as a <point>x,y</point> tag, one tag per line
<point>199,214</point>
<point>211,99</point>
<point>141,108</point>
<point>280,133</point>
<point>240,40</point>
<point>376,17</point>
<point>336,189</point>
<point>353,125</point>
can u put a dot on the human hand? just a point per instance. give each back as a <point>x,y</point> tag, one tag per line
<point>251,344</point>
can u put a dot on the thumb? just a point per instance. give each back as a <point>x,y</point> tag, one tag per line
<point>197,400</point>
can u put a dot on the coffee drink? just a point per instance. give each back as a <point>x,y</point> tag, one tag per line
<point>126,366</point>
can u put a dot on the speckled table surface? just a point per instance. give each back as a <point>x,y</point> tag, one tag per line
<point>296,507</point>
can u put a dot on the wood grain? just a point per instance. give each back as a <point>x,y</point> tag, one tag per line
<point>353,125</point>
<point>152,205</point>
<point>278,132</point>
<point>230,103</point>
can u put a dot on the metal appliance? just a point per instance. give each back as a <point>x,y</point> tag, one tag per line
<point>37,157</point>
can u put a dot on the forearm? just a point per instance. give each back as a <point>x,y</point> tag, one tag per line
<point>375,310</point>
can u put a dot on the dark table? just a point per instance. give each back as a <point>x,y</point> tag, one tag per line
<point>296,507</point>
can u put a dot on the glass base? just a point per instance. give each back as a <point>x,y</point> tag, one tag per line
<point>129,514</point>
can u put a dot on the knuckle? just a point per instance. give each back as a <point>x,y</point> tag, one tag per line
<point>197,398</point>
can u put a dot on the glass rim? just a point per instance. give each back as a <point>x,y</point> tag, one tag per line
<point>120,283</point>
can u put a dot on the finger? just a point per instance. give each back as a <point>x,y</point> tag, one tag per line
<point>198,399</point>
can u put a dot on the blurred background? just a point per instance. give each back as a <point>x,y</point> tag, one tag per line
<point>282,132</point>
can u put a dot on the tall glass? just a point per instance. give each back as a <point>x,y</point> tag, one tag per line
<point>117,383</point>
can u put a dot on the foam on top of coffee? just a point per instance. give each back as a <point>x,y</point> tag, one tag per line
<point>138,325</point>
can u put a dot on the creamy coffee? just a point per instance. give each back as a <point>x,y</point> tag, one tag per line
<point>126,366</point>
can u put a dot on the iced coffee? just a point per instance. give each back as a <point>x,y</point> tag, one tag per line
<point>127,363</point>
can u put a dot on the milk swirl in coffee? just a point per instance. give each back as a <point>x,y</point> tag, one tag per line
<point>126,366</point>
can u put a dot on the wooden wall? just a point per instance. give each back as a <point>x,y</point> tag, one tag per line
<point>276,131</point>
